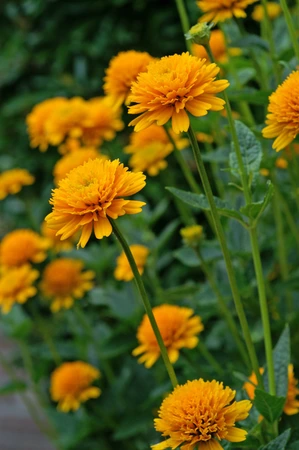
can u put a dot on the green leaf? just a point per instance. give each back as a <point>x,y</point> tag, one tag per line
<point>281,356</point>
<point>254,210</point>
<point>218,156</point>
<point>268,405</point>
<point>250,95</point>
<point>178,292</point>
<point>251,151</point>
<point>200,201</point>
<point>187,256</point>
<point>278,443</point>
<point>249,41</point>
<point>12,387</point>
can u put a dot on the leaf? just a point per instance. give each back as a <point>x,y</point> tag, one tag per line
<point>12,387</point>
<point>219,156</point>
<point>200,201</point>
<point>187,256</point>
<point>178,292</point>
<point>254,210</point>
<point>249,41</point>
<point>281,356</point>
<point>251,152</point>
<point>278,443</point>
<point>250,95</point>
<point>268,405</point>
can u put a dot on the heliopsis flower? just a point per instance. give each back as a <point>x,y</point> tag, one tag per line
<point>291,405</point>
<point>71,385</point>
<point>273,9</point>
<point>218,48</point>
<point>221,10</point>
<point>283,118</point>
<point>21,246</point>
<point>123,269</point>
<point>122,71</point>
<point>178,327</point>
<point>173,86</point>
<point>89,195</point>
<point>63,281</point>
<point>55,244</point>
<point>198,415</point>
<point>16,286</point>
<point>12,181</point>
<point>150,147</point>
<point>74,159</point>
<point>37,119</point>
<point>192,234</point>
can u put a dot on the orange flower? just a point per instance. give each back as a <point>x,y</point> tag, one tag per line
<point>178,328</point>
<point>12,181</point>
<point>221,10</point>
<point>273,9</point>
<point>37,120</point>
<point>89,195</point>
<point>16,286</point>
<point>122,71</point>
<point>123,270</point>
<point>22,246</point>
<point>283,113</point>
<point>63,281</point>
<point>199,414</point>
<point>71,385</point>
<point>172,86</point>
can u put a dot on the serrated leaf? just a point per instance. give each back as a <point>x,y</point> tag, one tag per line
<point>251,152</point>
<point>278,443</point>
<point>200,201</point>
<point>268,405</point>
<point>255,209</point>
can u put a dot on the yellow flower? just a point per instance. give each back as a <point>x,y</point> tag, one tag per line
<point>37,119</point>
<point>221,10</point>
<point>55,244</point>
<point>281,163</point>
<point>71,385</point>
<point>273,9</point>
<point>192,234</point>
<point>12,181</point>
<point>21,246</point>
<point>291,405</point>
<point>89,195</point>
<point>122,71</point>
<point>123,270</point>
<point>72,160</point>
<point>283,118</point>
<point>16,286</point>
<point>218,47</point>
<point>172,86</point>
<point>150,147</point>
<point>199,414</point>
<point>178,328</point>
<point>63,281</point>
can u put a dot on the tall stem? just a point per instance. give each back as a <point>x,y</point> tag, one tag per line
<point>184,20</point>
<point>226,255</point>
<point>291,28</point>
<point>268,30</point>
<point>223,307</point>
<point>146,302</point>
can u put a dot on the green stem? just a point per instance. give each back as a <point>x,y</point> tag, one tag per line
<point>184,21</point>
<point>209,357</point>
<point>227,258</point>
<point>146,302</point>
<point>89,332</point>
<point>223,308</point>
<point>187,173</point>
<point>254,246</point>
<point>288,216</point>
<point>291,28</point>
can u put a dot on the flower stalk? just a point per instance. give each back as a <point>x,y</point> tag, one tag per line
<point>291,28</point>
<point>146,302</point>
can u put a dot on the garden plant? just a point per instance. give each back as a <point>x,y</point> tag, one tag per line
<point>149,230</point>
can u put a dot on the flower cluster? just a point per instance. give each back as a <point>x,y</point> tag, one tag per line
<point>90,122</point>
